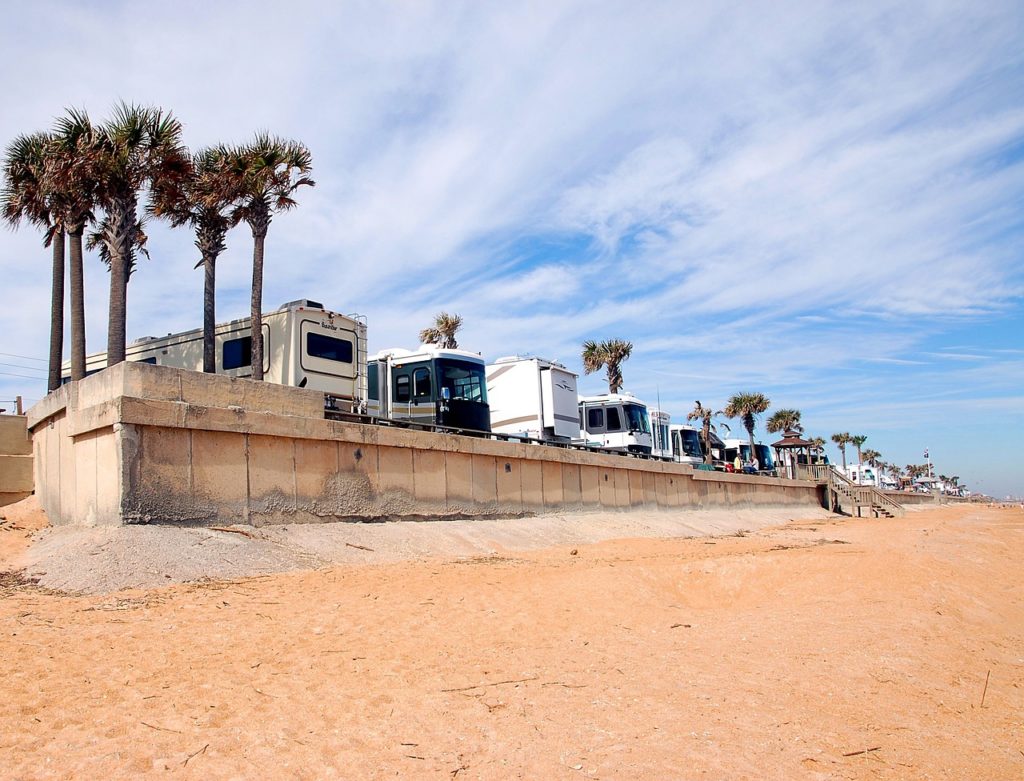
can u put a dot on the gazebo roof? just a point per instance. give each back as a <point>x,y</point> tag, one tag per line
<point>792,439</point>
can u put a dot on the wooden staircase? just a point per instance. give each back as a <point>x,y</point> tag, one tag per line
<point>846,496</point>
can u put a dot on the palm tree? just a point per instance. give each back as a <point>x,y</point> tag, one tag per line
<point>268,172</point>
<point>784,420</point>
<point>203,200</point>
<point>442,332</point>
<point>72,172</point>
<point>610,354</point>
<point>138,147</point>
<point>872,456</point>
<point>705,415</point>
<point>746,407</point>
<point>842,440</point>
<point>25,196</point>
<point>858,441</point>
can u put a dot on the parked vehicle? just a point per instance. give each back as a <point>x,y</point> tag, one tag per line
<point>616,422</point>
<point>304,345</point>
<point>742,446</point>
<point>661,443</point>
<point>686,446</point>
<point>533,397</point>
<point>430,385</point>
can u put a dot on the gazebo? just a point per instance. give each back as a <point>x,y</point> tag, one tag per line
<point>792,443</point>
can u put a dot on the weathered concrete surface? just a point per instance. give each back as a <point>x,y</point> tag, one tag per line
<point>146,444</point>
<point>15,459</point>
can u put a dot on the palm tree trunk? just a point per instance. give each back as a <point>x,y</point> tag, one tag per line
<point>116,321</point>
<point>750,436</point>
<point>257,305</point>
<point>56,313</point>
<point>209,314</point>
<point>77,307</point>
<point>121,222</point>
<point>707,442</point>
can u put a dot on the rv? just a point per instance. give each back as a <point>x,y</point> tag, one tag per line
<point>304,345</point>
<point>742,446</point>
<point>615,421</point>
<point>661,444</point>
<point>533,398</point>
<point>430,385</point>
<point>686,447</point>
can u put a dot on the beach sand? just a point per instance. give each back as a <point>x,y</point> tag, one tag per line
<point>816,648</point>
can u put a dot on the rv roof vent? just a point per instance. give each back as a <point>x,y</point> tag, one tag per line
<point>302,302</point>
<point>144,339</point>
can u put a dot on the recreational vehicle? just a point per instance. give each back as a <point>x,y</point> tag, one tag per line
<point>686,447</point>
<point>304,345</point>
<point>534,398</point>
<point>429,385</point>
<point>661,444</point>
<point>742,446</point>
<point>615,421</point>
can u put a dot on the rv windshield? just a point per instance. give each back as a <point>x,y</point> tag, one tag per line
<point>636,417</point>
<point>690,441</point>
<point>463,379</point>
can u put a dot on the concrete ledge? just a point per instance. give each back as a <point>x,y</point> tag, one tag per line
<point>140,443</point>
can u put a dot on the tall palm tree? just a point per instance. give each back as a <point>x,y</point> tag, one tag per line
<point>25,196</point>
<point>205,201</point>
<point>784,420</point>
<point>269,171</point>
<point>746,407</point>
<point>137,147</point>
<point>610,354</point>
<point>872,456</point>
<point>706,416</point>
<point>442,332</point>
<point>842,440</point>
<point>858,441</point>
<point>817,444</point>
<point>72,172</point>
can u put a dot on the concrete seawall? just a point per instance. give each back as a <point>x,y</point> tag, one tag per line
<point>139,443</point>
<point>15,459</point>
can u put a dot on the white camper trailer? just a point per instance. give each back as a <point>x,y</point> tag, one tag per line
<point>661,444</point>
<point>615,421</point>
<point>686,447</point>
<point>735,445</point>
<point>304,345</point>
<point>532,397</point>
<point>431,385</point>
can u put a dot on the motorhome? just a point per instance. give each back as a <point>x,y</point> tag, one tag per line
<point>661,444</point>
<point>430,385</point>
<point>304,345</point>
<point>686,446</point>
<point>742,447</point>
<point>533,398</point>
<point>615,421</point>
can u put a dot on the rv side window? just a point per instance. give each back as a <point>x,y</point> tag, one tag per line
<point>595,419</point>
<point>237,353</point>
<point>151,359</point>
<point>421,384</point>
<point>614,421</point>
<point>371,381</point>
<point>402,388</point>
<point>329,348</point>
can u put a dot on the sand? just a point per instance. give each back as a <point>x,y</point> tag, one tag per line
<point>821,648</point>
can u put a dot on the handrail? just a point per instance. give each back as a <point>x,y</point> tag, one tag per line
<point>840,485</point>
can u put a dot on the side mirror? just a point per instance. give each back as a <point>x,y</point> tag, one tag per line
<point>446,393</point>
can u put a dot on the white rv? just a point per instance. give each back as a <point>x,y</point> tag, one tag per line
<point>534,398</point>
<point>615,421</point>
<point>661,444</point>
<point>686,447</point>
<point>736,445</point>
<point>430,385</point>
<point>304,345</point>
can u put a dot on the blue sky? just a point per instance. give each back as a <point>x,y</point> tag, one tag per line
<point>818,201</point>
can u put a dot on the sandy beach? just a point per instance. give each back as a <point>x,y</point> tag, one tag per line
<point>815,648</point>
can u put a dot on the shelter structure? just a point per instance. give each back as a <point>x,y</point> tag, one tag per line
<point>791,444</point>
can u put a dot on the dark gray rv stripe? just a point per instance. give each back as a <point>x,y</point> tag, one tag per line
<point>567,418</point>
<point>499,372</point>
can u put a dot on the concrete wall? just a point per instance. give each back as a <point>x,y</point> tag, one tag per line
<point>15,459</point>
<point>141,443</point>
